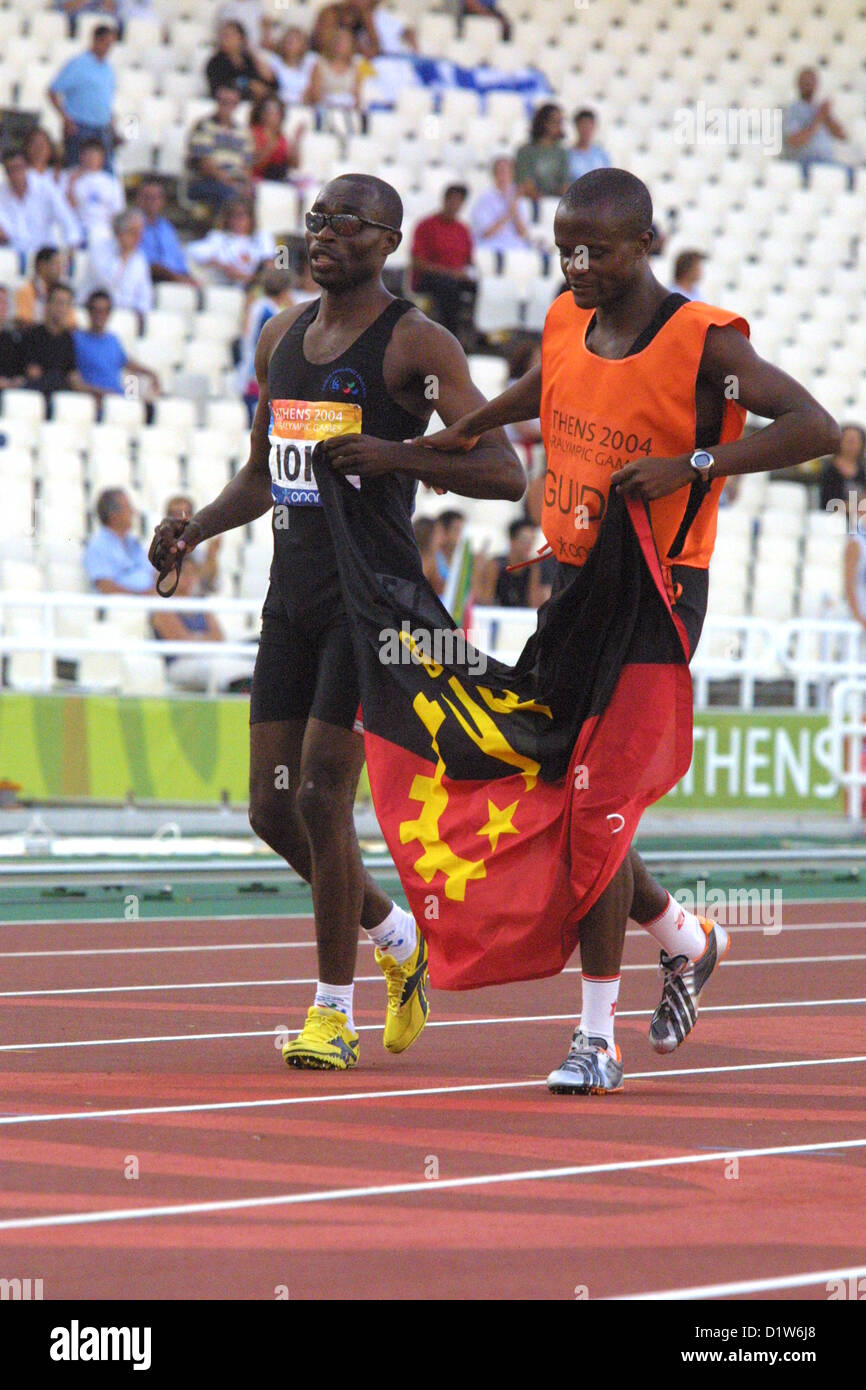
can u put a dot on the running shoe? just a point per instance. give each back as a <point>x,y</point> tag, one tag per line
<point>590,1069</point>
<point>683,983</point>
<point>408,1007</point>
<point>325,1043</point>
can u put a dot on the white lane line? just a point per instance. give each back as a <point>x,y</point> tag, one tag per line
<point>436,1023</point>
<point>747,1286</point>
<point>269,1102</point>
<point>343,1194</point>
<point>363,941</point>
<point>364,979</point>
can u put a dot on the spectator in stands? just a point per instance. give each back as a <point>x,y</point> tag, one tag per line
<point>33,211</point>
<point>541,166</point>
<point>160,243</point>
<point>688,271</point>
<point>585,155</point>
<point>335,81</point>
<point>846,471</point>
<point>233,251</point>
<point>854,562</point>
<point>83,92</point>
<point>345,14</point>
<point>236,64</point>
<point>524,588</point>
<point>269,295</point>
<point>428,536</point>
<point>197,672</point>
<point>387,33</point>
<point>251,14</point>
<point>95,195</point>
<point>11,348</point>
<point>490,9</point>
<point>49,350</point>
<point>442,262</point>
<point>451,526</point>
<point>181,508</point>
<point>50,266</point>
<point>500,217</point>
<point>220,154</point>
<point>118,264</point>
<point>41,153</point>
<point>100,357</point>
<point>275,153</point>
<point>115,561</point>
<point>292,64</point>
<point>810,128</point>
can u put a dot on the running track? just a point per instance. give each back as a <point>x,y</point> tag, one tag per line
<point>736,1168</point>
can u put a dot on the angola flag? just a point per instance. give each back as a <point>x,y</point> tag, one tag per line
<point>509,795</point>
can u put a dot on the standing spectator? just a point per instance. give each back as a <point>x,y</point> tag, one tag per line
<point>160,243</point>
<point>275,154</point>
<point>100,357</point>
<point>688,271</point>
<point>50,266</point>
<point>119,266</point>
<point>115,561</point>
<point>428,537</point>
<point>95,195</point>
<point>335,81</point>
<point>845,472</point>
<point>523,588</point>
<point>541,167</point>
<point>49,350</point>
<point>237,65</point>
<point>33,212</point>
<point>234,251</point>
<point>810,128</point>
<point>220,154</point>
<point>491,10</point>
<point>585,155</point>
<point>500,217</point>
<point>442,262</point>
<point>41,154</point>
<point>83,93</point>
<point>11,347</point>
<point>292,64</point>
<point>276,295</point>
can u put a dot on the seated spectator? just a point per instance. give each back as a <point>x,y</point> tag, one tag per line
<point>49,350</point>
<point>388,34</point>
<point>181,508</point>
<point>542,166</point>
<point>197,672</point>
<point>236,64</point>
<point>100,357</point>
<point>33,212</point>
<point>523,588</point>
<point>585,155</point>
<point>233,251</point>
<point>428,536</point>
<point>83,92</point>
<point>335,81</point>
<point>810,128</point>
<point>442,262</point>
<point>490,10</point>
<point>118,265</point>
<point>688,271</point>
<point>845,472</point>
<point>275,154</point>
<point>160,243</point>
<point>292,64</point>
<point>11,348</point>
<point>115,560</point>
<point>50,266</point>
<point>251,14</point>
<point>95,195</point>
<point>500,217</point>
<point>41,153</point>
<point>220,154</point>
<point>345,14</point>
<point>269,295</point>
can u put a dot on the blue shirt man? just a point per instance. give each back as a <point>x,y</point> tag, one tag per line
<point>83,93</point>
<point>115,562</point>
<point>159,240</point>
<point>809,127</point>
<point>100,357</point>
<point>586,155</point>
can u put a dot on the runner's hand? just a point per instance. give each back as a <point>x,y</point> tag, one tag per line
<point>362,455</point>
<point>652,478</point>
<point>172,540</point>
<point>456,439</point>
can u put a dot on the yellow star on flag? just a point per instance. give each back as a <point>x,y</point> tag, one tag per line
<point>499,823</point>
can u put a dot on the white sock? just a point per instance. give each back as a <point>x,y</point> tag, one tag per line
<point>397,935</point>
<point>677,931</point>
<point>337,997</point>
<point>598,998</point>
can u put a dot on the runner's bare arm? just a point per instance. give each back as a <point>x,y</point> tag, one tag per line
<point>248,495</point>
<point>801,429</point>
<point>522,401</point>
<point>429,354</point>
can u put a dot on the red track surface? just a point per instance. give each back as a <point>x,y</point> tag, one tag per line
<point>629,1230</point>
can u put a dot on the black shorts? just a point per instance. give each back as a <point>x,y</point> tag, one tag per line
<point>304,670</point>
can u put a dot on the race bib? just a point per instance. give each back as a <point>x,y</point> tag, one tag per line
<point>296,429</point>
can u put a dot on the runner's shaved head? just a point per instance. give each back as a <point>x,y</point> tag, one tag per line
<point>614,194</point>
<point>378,198</point>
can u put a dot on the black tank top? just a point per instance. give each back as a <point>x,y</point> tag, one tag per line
<point>311,401</point>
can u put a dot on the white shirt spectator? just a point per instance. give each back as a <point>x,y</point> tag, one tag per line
<point>242,253</point>
<point>41,218</point>
<point>487,210</point>
<point>390,29</point>
<point>292,83</point>
<point>128,282</point>
<point>95,197</point>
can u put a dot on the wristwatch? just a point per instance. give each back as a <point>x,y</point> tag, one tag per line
<point>702,461</point>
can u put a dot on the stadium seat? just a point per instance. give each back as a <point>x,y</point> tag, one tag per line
<point>176,298</point>
<point>228,415</point>
<point>497,306</point>
<point>73,407</point>
<point>22,405</point>
<point>791,496</point>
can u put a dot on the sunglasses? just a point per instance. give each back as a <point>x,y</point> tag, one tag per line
<point>342,223</point>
